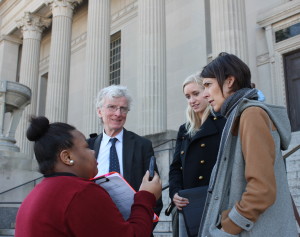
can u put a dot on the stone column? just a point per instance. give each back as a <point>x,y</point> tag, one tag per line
<point>97,60</point>
<point>152,67</point>
<point>272,83</point>
<point>59,61</point>
<point>9,52</point>
<point>228,28</point>
<point>32,27</point>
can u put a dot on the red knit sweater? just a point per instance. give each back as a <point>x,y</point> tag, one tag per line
<point>71,206</point>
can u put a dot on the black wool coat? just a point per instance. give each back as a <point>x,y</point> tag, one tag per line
<point>195,156</point>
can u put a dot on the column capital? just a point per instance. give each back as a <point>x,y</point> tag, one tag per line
<point>32,25</point>
<point>62,7</point>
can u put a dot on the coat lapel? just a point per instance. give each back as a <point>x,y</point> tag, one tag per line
<point>97,144</point>
<point>208,129</point>
<point>128,148</point>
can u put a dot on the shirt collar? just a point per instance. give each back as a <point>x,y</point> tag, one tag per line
<point>106,138</point>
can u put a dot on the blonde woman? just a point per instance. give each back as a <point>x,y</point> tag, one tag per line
<point>197,146</point>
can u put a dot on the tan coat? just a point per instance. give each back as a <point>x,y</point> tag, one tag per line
<point>251,195</point>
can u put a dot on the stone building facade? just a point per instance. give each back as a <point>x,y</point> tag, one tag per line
<point>65,51</point>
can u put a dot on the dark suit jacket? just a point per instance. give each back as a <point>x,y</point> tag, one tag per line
<point>137,152</point>
<point>195,156</point>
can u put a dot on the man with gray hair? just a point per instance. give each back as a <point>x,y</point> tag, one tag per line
<point>117,149</point>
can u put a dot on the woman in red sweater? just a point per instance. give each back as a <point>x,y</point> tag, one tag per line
<point>66,203</point>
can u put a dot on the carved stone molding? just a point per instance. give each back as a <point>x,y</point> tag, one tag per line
<point>286,22</point>
<point>14,97</point>
<point>32,25</point>
<point>288,45</point>
<point>15,87</point>
<point>78,42</point>
<point>262,59</point>
<point>18,88</point>
<point>120,18</point>
<point>62,7</point>
<point>278,13</point>
<point>130,7</point>
<point>11,39</point>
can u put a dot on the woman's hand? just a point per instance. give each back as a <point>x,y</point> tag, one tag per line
<point>153,186</point>
<point>180,202</point>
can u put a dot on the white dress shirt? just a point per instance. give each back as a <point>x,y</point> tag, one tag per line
<point>103,155</point>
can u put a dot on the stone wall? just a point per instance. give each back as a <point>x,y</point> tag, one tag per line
<point>293,170</point>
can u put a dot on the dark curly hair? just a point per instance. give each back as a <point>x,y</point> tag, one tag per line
<point>49,140</point>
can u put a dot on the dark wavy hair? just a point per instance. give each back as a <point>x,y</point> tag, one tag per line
<point>49,141</point>
<point>226,65</point>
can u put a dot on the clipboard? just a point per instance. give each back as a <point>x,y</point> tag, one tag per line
<point>120,192</point>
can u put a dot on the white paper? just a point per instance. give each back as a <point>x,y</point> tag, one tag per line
<point>119,190</point>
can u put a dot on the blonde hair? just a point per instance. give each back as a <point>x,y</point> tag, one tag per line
<point>194,121</point>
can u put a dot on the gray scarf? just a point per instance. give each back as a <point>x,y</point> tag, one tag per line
<point>228,110</point>
<point>232,101</point>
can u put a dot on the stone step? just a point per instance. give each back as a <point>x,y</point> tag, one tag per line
<point>11,232</point>
<point>8,217</point>
<point>163,229</point>
<point>7,232</point>
<point>163,235</point>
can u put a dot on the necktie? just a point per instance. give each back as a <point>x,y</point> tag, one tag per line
<point>113,157</point>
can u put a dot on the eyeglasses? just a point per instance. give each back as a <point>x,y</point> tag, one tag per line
<point>114,108</point>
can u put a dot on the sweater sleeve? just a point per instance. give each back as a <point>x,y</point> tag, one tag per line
<point>258,149</point>
<point>93,213</point>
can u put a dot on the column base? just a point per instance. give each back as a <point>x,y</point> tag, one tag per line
<point>8,144</point>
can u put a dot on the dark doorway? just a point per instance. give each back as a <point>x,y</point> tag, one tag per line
<point>292,81</point>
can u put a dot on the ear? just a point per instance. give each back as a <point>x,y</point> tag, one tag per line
<point>99,112</point>
<point>64,156</point>
<point>230,81</point>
